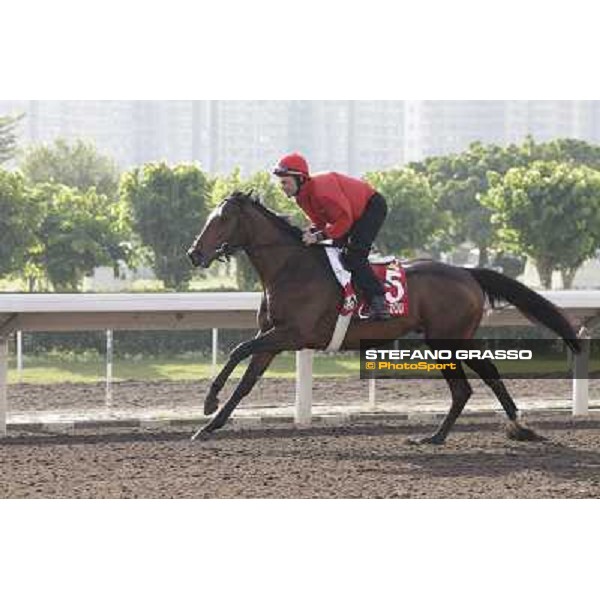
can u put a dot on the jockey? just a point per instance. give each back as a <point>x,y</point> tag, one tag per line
<point>348,211</point>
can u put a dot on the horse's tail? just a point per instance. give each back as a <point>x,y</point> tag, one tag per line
<point>534,306</point>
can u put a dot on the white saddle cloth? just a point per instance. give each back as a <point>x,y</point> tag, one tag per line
<point>344,277</point>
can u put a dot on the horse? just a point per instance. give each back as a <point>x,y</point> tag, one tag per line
<point>300,297</point>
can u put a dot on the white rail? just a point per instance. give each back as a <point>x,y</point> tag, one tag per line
<point>227,310</point>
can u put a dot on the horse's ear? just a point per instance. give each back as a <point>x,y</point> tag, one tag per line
<point>251,195</point>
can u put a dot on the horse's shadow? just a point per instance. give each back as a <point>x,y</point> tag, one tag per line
<point>555,459</point>
<point>499,457</point>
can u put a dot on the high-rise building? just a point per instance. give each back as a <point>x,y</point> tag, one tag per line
<point>436,127</point>
<point>348,136</point>
<point>246,134</point>
<point>547,119</point>
<point>342,135</point>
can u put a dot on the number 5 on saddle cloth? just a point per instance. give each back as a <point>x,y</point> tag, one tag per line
<point>391,274</point>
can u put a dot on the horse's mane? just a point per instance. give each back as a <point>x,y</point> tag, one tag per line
<point>280,221</point>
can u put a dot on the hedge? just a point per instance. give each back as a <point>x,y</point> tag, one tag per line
<point>173,343</point>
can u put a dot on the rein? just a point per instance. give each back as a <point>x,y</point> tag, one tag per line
<point>226,251</point>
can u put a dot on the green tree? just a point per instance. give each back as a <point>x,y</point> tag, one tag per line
<point>458,182</point>
<point>8,136</point>
<point>549,211</point>
<point>77,232</point>
<point>271,194</point>
<point>168,206</point>
<point>18,221</point>
<point>264,186</point>
<point>414,220</point>
<point>566,150</point>
<point>77,165</point>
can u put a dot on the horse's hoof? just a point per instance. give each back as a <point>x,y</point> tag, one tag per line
<point>431,440</point>
<point>200,435</point>
<point>516,431</point>
<point>211,403</point>
<point>523,434</point>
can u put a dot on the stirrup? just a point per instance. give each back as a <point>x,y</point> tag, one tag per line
<point>379,316</point>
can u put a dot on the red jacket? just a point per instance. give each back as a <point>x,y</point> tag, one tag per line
<point>334,202</point>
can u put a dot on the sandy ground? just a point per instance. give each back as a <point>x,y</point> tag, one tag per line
<point>402,395</point>
<point>364,459</point>
<point>361,460</point>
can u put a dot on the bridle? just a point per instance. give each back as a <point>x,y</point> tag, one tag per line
<point>226,250</point>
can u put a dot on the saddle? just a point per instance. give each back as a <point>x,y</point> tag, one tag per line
<point>387,269</point>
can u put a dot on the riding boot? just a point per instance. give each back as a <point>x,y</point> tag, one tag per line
<point>379,310</point>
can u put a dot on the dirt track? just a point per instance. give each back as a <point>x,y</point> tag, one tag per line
<point>367,459</point>
<point>410,395</point>
<point>363,460</point>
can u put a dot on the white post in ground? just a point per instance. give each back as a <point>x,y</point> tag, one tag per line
<point>215,350</point>
<point>109,366</point>
<point>3,384</point>
<point>304,381</point>
<point>372,393</point>
<point>19,355</point>
<point>581,377</point>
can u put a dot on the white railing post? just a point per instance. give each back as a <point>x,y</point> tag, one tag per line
<point>3,384</point>
<point>19,355</point>
<point>372,393</point>
<point>215,350</point>
<point>581,377</point>
<point>109,367</point>
<point>304,380</point>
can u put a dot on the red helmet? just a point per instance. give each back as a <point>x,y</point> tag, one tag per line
<point>292,164</point>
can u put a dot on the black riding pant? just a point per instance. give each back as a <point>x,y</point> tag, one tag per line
<point>357,246</point>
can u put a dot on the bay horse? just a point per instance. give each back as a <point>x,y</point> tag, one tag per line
<point>301,294</point>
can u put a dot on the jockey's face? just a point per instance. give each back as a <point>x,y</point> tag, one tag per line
<point>289,186</point>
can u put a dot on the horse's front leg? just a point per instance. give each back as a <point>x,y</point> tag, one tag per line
<point>211,401</point>
<point>258,365</point>
<point>273,341</point>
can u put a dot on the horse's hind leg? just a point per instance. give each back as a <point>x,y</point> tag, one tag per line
<point>488,372</point>
<point>461,391</point>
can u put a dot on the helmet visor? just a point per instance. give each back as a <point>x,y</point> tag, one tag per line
<point>285,172</point>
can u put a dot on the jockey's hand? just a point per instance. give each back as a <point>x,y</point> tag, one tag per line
<point>312,237</point>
